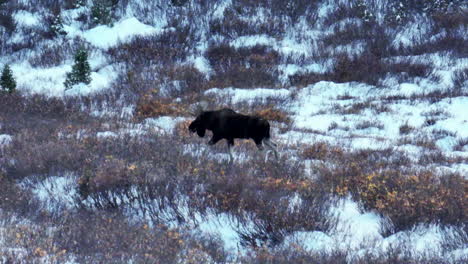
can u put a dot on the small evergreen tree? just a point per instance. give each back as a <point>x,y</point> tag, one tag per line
<point>364,12</point>
<point>81,71</point>
<point>398,13</point>
<point>56,26</point>
<point>7,81</point>
<point>102,10</point>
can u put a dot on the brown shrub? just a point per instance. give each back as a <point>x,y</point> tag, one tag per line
<point>232,25</point>
<point>410,199</point>
<point>273,114</point>
<point>243,67</point>
<point>110,237</point>
<point>321,150</point>
<point>154,107</point>
<point>188,78</point>
<point>450,20</point>
<point>181,129</point>
<point>366,67</point>
<point>15,199</point>
<point>49,57</point>
<point>410,69</point>
<point>146,50</point>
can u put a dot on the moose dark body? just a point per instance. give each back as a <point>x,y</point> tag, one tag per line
<point>227,124</point>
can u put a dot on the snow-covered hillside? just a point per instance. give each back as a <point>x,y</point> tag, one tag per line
<point>367,102</point>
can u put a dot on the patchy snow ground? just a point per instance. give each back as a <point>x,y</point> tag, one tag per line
<point>354,230</point>
<point>361,233</point>
<point>353,115</point>
<point>5,140</point>
<point>50,81</point>
<point>358,116</point>
<point>247,95</point>
<point>105,37</point>
<point>26,19</point>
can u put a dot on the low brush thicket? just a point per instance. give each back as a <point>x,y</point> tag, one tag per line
<point>383,180</point>
<point>152,175</point>
<point>245,67</point>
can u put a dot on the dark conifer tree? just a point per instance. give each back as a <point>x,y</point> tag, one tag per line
<point>81,71</point>
<point>7,81</point>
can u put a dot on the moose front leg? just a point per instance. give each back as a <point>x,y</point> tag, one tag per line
<point>214,140</point>
<point>258,142</point>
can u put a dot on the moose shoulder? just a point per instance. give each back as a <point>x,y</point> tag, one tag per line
<point>227,124</point>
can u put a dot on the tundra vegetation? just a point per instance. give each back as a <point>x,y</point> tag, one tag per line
<point>363,98</point>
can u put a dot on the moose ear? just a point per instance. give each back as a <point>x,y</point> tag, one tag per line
<point>200,131</point>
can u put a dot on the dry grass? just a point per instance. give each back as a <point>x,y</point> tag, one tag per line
<point>274,114</point>
<point>148,106</point>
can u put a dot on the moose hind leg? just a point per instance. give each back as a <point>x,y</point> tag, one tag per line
<point>271,146</point>
<point>230,143</point>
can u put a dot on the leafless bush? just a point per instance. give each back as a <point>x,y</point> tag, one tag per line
<point>406,129</point>
<point>410,69</point>
<point>367,68</point>
<point>347,34</point>
<point>461,143</point>
<point>232,25</point>
<point>182,80</point>
<point>165,180</point>
<point>449,20</point>
<point>369,124</point>
<point>36,123</point>
<point>460,80</point>
<point>49,57</point>
<point>161,49</point>
<point>451,42</point>
<point>7,21</point>
<point>15,200</point>
<point>243,67</point>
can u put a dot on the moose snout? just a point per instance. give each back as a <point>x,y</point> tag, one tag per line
<point>192,129</point>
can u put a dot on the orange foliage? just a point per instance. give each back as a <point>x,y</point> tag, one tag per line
<point>423,196</point>
<point>153,107</point>
<point>273,114</point>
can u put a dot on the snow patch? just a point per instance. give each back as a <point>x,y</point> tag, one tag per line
<point>55,192</point>
<point>123,31</point>
<point>26,19</point>
<point>48,81</point>
<point>360,233</point>
<point>5,140</point>
<point>106,134</point>
<point>165,124</point>
<point>221,226</point>
<point>236,95</point>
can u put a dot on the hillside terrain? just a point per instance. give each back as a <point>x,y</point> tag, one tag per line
<point>367,101</point>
